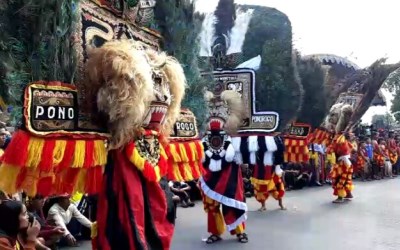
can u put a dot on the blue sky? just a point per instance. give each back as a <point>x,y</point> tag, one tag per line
<point>361,30</point>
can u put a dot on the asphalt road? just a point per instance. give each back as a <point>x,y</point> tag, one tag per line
<point>370,222</point>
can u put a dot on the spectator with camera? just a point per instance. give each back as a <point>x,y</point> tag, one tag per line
<point>17,229</point>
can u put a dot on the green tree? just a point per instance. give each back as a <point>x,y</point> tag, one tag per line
<point>392,83</point>
<point>395,109</point>
<point>383,121</point>
<point>315,106</point>
<point>226,15</point>
<point>180,26</point>
<point>278,85</point>
<point>35,45</point>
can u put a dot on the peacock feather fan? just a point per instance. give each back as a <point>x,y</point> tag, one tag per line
<point>36,43</point>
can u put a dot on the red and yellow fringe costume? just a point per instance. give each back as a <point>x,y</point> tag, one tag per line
<point>185,160</point>
<point>52,165</point>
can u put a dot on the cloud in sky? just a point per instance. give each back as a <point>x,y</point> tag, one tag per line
<point>360,30</point>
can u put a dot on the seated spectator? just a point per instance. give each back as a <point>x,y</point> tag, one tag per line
<point>50,234</point>
<point>17,230</point>
<point>295,177</point>
<point>194,191</point>
<point>181,189</point>
<point>66,215</point>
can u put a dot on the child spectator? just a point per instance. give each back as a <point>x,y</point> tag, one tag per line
<point>181,189</point>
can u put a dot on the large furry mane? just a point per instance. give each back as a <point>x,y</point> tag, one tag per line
<point>234,103</point>
<point>173,72</point>
<point>120,72</point>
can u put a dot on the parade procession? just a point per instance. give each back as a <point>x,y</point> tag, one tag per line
<point>135,124</point>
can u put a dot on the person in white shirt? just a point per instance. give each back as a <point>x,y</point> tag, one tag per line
<point>62,213</point>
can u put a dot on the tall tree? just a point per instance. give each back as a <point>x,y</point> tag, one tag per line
<point>180,26</point>
<point>315,106</point>
<point>278,85</point>
<point>392,83</point>
<point>225,14</point>
<point>35,45</point>
<point>383,121</point>
<point>395,109</point>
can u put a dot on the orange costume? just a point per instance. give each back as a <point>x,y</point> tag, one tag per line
<point>379,159</point>
<point>361,155</point>
<point>392,150</point>
<point>342,171</point>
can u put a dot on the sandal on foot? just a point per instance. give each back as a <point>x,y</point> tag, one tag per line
<point>213,238</point>
<point>338,200</point>
<point>184,204</point>
<point>349,196</point>
<point>242,238</point>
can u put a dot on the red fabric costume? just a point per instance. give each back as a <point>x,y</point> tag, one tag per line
<point>133,210</point>
<point>225,187</point>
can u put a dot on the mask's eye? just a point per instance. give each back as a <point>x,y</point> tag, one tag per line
<point>158,80</point>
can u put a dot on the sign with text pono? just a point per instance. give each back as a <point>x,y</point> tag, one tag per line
<point>185,127</point>
<point>51,108</point>
<point>243,81</point>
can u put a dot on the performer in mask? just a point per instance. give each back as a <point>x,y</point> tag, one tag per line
<point>342,171</point>
<point>222,183</point>
<point>139,92</point>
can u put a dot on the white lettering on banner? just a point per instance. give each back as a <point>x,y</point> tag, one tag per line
<point>54,113</point>
<point>262,119</point>
<point>61,112</point>
<point>71,113</point>
<point>185,126</point>
<point>297,131</point>
<point>226,78</point>
<point>51,112</point>
<point>39,111</point>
